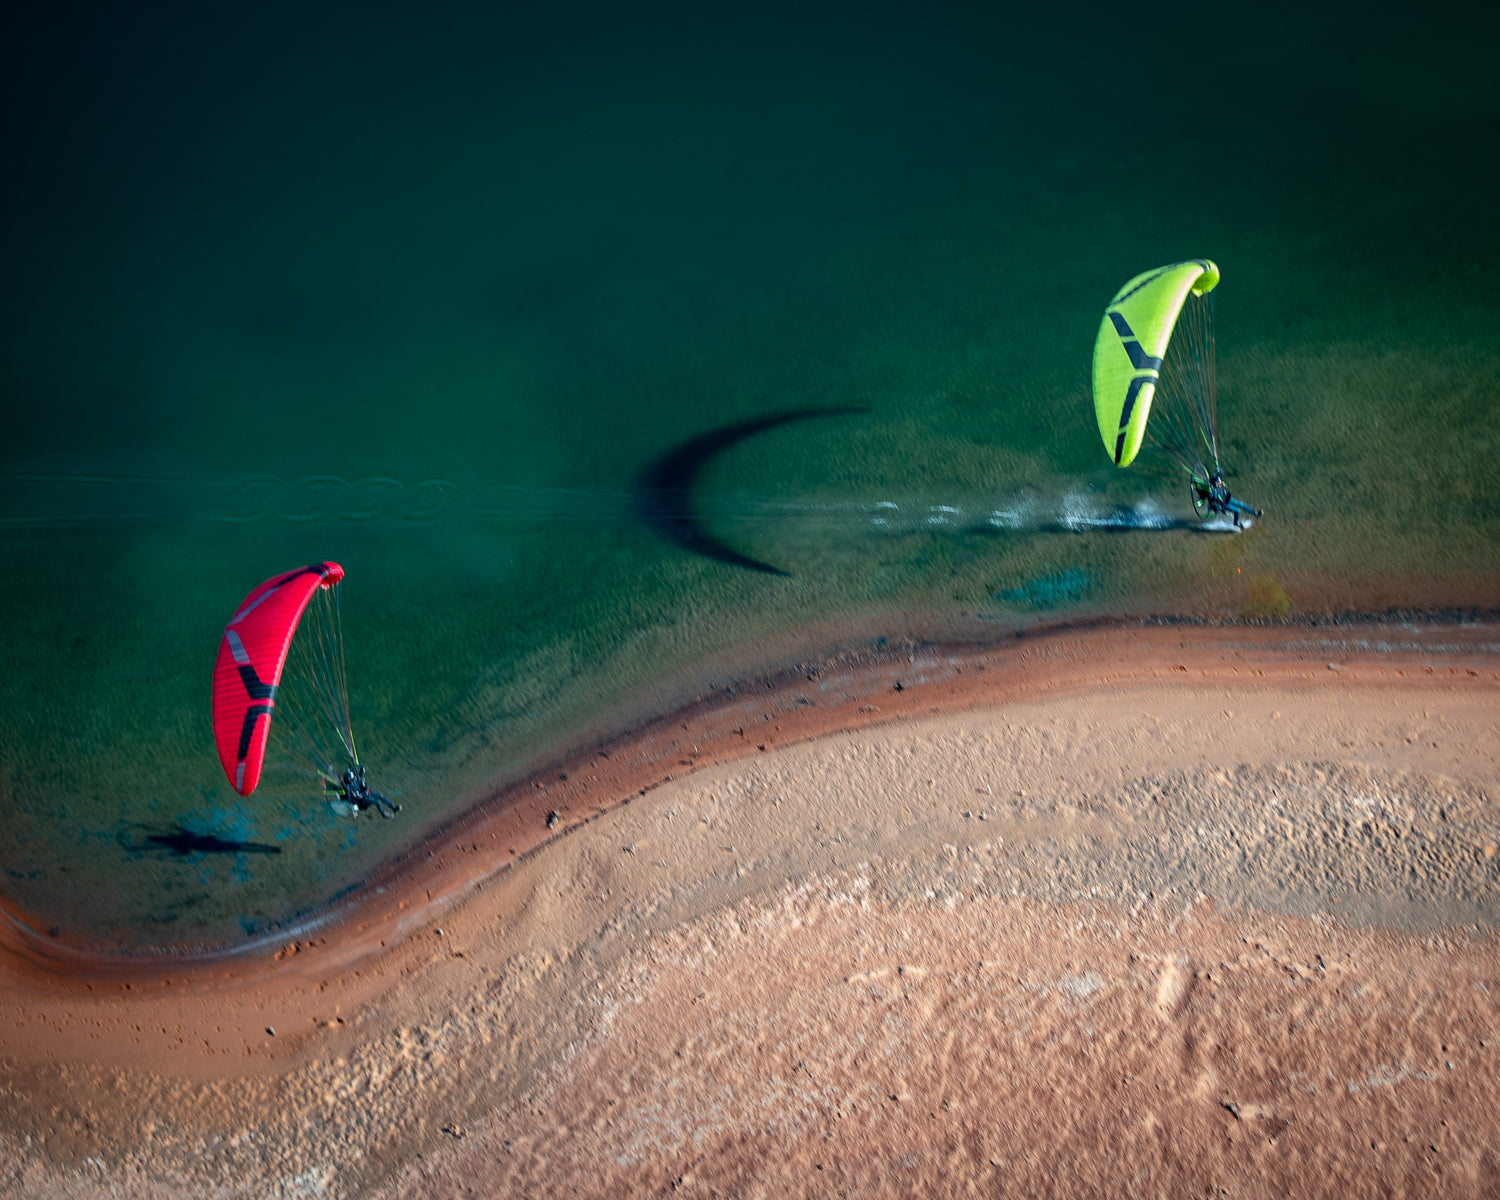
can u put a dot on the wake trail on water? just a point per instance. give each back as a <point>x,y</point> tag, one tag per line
<point>104,499</point>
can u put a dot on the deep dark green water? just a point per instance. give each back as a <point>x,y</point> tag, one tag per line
<point>431,295</point>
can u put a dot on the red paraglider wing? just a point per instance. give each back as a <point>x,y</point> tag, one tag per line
<point>252,654</point>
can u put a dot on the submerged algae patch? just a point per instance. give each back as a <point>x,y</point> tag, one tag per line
<point>1048,591</point>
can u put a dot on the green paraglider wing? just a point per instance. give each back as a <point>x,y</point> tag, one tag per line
<point>1132,342</point>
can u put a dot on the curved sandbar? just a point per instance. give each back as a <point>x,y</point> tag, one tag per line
<point>851,690</point>
<point>1055,826</point>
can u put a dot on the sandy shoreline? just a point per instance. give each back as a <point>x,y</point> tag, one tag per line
<point>985,802</point>
<point>854,690</point>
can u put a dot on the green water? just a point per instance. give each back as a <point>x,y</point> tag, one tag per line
<point>429,296</point>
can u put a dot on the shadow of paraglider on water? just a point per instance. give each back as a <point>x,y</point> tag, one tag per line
<point>663,493</point>
<point>180,842</point>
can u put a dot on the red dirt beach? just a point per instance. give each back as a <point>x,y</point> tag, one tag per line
<point>1120,909</point>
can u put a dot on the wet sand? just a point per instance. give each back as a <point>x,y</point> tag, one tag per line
<point>1153,909</point>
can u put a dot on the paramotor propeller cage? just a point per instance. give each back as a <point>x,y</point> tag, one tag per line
<point>1198,491</point>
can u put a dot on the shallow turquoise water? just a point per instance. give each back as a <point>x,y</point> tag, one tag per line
<point>431,296</point>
